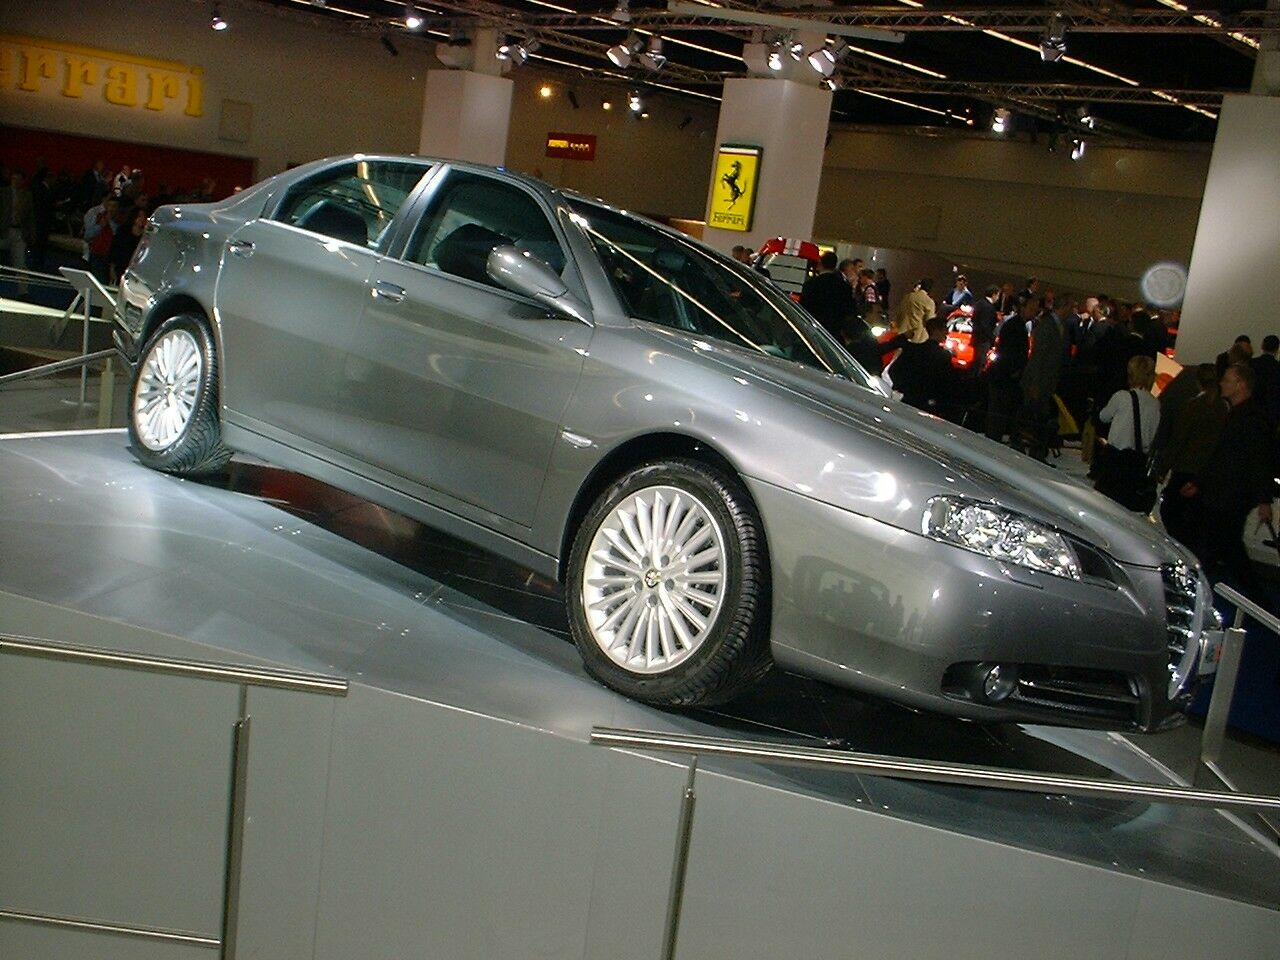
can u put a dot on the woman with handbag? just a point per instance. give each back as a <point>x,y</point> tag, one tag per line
<point>1124,472</point>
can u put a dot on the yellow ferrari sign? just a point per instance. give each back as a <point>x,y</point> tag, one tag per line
<point>733,188</point>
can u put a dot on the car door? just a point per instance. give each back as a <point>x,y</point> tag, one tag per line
<point>456,386</point>
<point>292,285</point>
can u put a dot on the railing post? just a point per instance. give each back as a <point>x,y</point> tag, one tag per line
<point>84,343</point>
<point>1224,689</point>
<point>106,393</point>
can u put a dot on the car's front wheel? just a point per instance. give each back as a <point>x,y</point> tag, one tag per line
<point>173,404</point>
<point>668,586</point>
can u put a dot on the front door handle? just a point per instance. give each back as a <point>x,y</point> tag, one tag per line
<point>388,291</point>
<point>241,248</point>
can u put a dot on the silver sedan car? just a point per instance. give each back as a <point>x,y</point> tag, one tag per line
<point>717,484</point>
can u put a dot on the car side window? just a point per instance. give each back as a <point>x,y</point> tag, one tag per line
<point>355,202</point>
<point>473,215</point>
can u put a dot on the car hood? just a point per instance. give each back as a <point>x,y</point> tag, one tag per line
<point>928,457</point>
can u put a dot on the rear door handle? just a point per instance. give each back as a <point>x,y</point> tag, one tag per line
<point>240,248</point>
<point>388,291</point>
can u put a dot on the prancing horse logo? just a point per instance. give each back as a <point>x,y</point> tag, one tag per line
<point>730,180</point>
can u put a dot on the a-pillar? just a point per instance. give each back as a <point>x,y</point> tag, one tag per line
<point>787,119</point>
<point>466,113</point>
<point>1231,284</point>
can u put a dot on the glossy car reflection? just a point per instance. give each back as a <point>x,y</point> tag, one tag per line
<point>718,485</point>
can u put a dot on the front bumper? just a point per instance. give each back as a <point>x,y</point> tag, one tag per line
<point>872,607</point>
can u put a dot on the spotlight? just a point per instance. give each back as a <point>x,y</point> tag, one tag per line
<point>216,22</point>
<point>1001,120</point>
<point>633,101</point>
<point>644,115</point>
<point>621,12</point>
<point>391,47</point>
<point>1077,148</point>
<point>775,59</point>
<point>1054,44</point>
<point>824,60</point>
<point>545,91</point>
<point>795,48</point>
<point>831,83</point>
<point>620,54</point>
<point>1085,118</point>
<point>516,51</point>
<point>606,104</point>
<point>653,58</point>
<point>412,18</point>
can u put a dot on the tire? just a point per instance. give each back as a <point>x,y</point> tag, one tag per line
<point>630,621</point>
<point>173,400</point>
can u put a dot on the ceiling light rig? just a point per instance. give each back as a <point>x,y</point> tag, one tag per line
<point>653,59</point>
<point>516,52</point>
<point>620,54</point>
<point>1001,120</point>
<point>795,48</point>
<point>1077,148</point>
<point>775,59</point>
<point>1054,44</point>
<point>825,60</point>
<point>216,22</point>
<point>621,12</point>
<point>413,20</point>
<point>634,102</point>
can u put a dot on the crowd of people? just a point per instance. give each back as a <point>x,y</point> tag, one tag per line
<point>1048,364</point>
<point>106,211</point>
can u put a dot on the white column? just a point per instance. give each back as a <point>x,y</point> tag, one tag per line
<point>788,121</point>
<point>1232,286</point>
<point>465,116</point>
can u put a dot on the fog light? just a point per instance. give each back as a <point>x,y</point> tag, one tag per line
<point>999,683</point>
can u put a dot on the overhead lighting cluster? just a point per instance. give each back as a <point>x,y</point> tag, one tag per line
<point>634,49</point>
<point>516,51</point>
<point>1053,46</point>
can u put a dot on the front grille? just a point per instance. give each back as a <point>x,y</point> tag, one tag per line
<point>1180,598</point>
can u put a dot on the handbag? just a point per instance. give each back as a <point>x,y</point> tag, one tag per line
<point>1125,475</point>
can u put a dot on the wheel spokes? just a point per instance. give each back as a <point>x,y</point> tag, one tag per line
<point>652,584</point>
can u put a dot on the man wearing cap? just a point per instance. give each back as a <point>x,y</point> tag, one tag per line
<point>961,296</point>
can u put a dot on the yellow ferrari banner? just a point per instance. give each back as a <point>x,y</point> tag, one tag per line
<point>733,187</point>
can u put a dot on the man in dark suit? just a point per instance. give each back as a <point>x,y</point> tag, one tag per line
<point>984,325</point>
<point>1004,393</point>
<point>1266,368</point>
<point>923,374</point>
<point>829,298</point>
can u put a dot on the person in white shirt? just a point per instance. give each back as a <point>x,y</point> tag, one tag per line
<point>1119,409</point>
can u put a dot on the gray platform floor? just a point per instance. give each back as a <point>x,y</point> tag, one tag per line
<point>270,566</point>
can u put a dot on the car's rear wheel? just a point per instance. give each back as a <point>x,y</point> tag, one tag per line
<point>173,404</point>
<point>668,586</point>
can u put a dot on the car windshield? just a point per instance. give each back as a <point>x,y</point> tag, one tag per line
<point>664,279</point>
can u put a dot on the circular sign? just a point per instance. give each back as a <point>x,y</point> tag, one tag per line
<point>1164,284</point>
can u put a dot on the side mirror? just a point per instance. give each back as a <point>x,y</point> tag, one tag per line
<point>525,274</point>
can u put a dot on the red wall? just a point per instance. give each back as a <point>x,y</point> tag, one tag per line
<point>182,170</point>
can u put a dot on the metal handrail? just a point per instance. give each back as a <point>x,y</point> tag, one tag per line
<point>933,771</point>
<point>57,366</point>
<point>1245,606</point>
<point>173,666</point>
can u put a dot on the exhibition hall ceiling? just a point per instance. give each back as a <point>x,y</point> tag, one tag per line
<point>1148,69</point>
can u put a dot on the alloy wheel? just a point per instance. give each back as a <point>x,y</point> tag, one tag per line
<point>165,395</point>
<point>654,579</point>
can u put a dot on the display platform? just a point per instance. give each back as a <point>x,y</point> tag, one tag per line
<point>452,804</point>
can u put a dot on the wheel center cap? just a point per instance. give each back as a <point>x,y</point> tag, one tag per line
<point>652,578</point>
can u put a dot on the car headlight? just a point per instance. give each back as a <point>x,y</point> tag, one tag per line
<point>1000,534</point>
